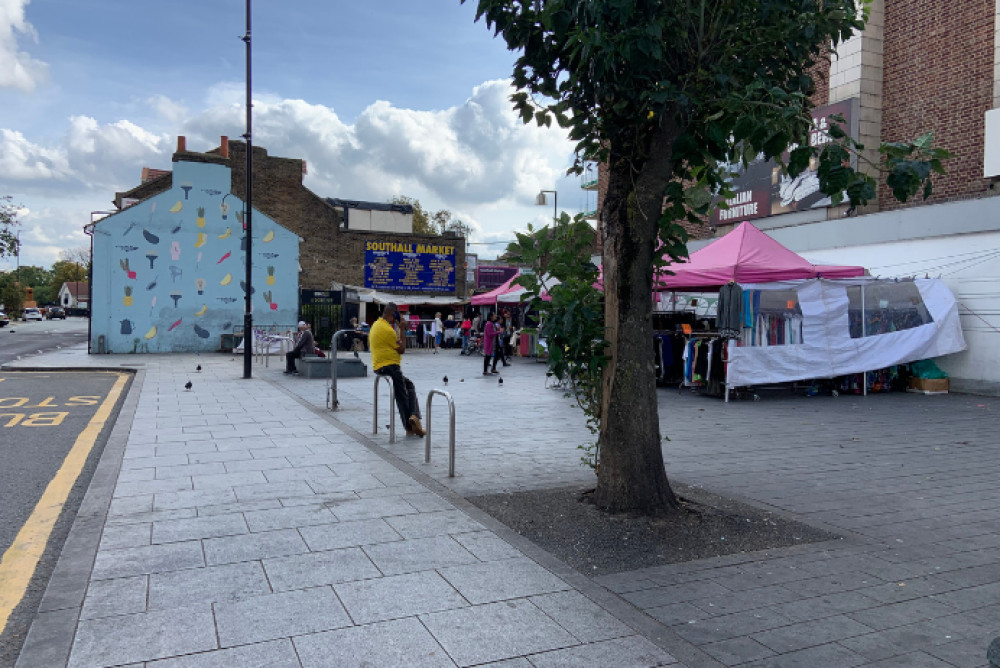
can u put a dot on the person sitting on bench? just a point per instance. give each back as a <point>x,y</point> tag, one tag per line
<point>304,346</point>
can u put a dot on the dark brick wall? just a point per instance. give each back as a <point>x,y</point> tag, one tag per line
<point>327,254</point>
<point>938,76</point>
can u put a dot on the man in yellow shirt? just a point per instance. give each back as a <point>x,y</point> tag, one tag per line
<point>387,344</point>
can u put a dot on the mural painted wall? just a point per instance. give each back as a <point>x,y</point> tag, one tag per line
<point>169,272</point>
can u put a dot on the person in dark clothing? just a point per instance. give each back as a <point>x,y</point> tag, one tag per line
<point>304,346</point>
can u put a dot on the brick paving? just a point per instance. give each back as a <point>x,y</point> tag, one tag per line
<point>247,525</point>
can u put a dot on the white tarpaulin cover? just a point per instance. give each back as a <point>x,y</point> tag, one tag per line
<point>828,349</point>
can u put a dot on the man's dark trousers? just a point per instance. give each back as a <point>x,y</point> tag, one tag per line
<point>404,391</point>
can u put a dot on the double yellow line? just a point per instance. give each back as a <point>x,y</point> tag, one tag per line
<point>22,557</point>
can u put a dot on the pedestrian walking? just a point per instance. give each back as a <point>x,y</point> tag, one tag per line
<point>490,345</point>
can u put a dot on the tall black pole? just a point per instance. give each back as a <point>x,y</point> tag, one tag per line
<point>247,214</point>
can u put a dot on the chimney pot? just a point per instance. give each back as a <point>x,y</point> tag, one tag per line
<point>224,147</point>
<point>181,144</point>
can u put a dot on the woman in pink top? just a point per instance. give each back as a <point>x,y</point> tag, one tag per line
<point>489,344</point>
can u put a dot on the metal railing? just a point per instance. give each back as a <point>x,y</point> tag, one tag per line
<point>392,409</point>
<point>451,431</point>
<point>332,401</point>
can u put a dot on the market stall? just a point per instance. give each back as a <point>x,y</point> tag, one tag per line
<point>780,318</point>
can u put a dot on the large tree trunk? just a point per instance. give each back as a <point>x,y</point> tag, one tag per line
<point>631,475</point>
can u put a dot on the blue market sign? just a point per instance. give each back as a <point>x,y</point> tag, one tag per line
<point>409,267</point>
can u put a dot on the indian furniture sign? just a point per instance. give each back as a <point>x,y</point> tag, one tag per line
<point>409,267</point>
<point>761,189</point>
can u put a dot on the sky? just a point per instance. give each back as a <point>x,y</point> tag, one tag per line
<point>381,98</point>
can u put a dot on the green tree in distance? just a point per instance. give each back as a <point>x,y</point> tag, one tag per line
<point>8,223</point>
<point>438,222</point>
<point>665,93</point>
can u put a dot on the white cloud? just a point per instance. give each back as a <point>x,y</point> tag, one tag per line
<point>17,68</point>
<point>476,159</point>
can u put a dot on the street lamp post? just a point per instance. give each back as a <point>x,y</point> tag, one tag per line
<point>541,201</point>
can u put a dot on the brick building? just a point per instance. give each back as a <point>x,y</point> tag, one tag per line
<point>919,66</point>
<point>329,252</point>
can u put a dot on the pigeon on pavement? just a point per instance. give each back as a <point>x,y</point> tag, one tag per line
<point>188,385</point>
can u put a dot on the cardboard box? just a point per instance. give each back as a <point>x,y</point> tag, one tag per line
<point>929,385</point>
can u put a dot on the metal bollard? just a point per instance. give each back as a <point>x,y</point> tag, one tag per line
<point>392,409</point>
<point>451,431</point>
<point>332,401</point>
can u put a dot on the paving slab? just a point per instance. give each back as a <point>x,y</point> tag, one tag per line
<point>402,642</point>
<point>280,615</point>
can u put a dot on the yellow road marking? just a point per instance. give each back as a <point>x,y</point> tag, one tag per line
<point>22,557</point>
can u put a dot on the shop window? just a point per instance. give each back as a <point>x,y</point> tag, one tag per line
<point>885,308</point>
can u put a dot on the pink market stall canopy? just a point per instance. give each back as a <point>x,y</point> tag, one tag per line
<point>745,255</point>
<point>509,293</point>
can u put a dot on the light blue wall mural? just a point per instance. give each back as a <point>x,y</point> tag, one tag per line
<point>169,272</point>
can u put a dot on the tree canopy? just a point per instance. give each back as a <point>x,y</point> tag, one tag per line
<point>8,223</point>
<point>666,94</point>
<point>438,222</point>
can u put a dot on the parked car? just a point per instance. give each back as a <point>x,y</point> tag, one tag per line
<point>4,320</point>
<point>31,314</point>
<point>54,313</point>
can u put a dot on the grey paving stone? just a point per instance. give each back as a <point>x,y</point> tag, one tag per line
<point>228,480</point>
<point>274,654</point>
<point>816,607</point>
<point>187,470</point>
<point>129,463</point>
<point>486,545</point>
<point>113,641</point>
<point>150,516</point>
<point>277,543</point>
<point>402,642</point>
<point>319,568</point>
<point>172,531</point>
<point>286,518</point>
<point>630,652</point>
<point>350,483</point>
<point>830,655</point>
<point>500,580</point>
<point>279,615</point>
<point>433,524</point>
<point>737,601</point>
<point>360,509</point>
<point>495,631</point>
<point>130,505</point>
<point>145,487</point>
<point>380,599</point>
<point>193,498</point>
<point>677,613</point>
<point>306,473</point>
<point>714,629</point>
<point>214,583</point>
<point>809,634</point>
<point>348,534</point>
<point>701,590</point>
<point>912,660</point>
<point>420,554</point>
<point>126,535</point>
<point>136,475</point>
<point>144,560</point>
<point>737,650</point>
<point>121,596</point>
<point>580,616</point>
<point>248,507</point>
<point>900,640</point>
<point>901,614</point>
<point>426,502</point>
<point>234,465</point>
<point>275,490</point>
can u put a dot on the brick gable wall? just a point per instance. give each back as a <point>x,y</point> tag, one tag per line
<point>938,76</point>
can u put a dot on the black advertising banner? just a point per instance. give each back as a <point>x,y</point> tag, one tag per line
<point>409,267</point>
<point>489,276</point>
<point>762,190</point>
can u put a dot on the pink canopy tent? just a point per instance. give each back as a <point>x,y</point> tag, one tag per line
<point>507,293</point>
<point>745,255</point>
<point>491,297</point>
